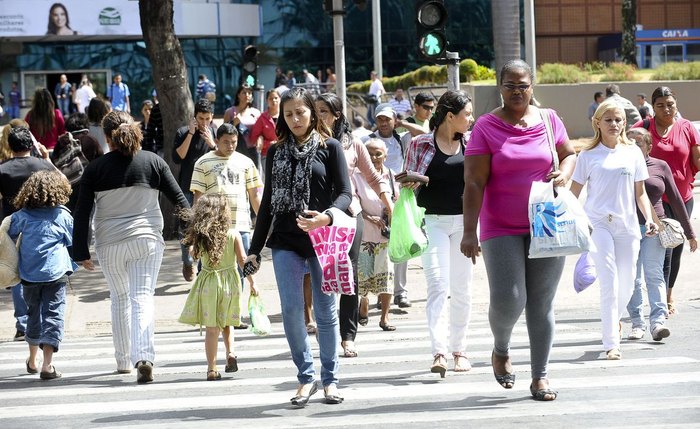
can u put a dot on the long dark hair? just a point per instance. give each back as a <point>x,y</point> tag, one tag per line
<point>450,102</point>
<point>341,125</point>
<point>297,93</point>
<point>42,117</point>
<point>52,29</point>
<point>241,89</point>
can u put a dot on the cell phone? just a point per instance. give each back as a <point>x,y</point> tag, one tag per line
<point>306,215</point>
<point>250,269</point>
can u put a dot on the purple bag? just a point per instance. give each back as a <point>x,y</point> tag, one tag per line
<point>584,272</point>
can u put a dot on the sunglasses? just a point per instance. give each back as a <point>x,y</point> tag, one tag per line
<point>427,106</point>
<point>511,87</point>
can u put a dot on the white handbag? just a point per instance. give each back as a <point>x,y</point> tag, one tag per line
<point>670,233</point>
<point>9,256</point>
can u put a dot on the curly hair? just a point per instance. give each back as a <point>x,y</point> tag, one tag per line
<point>45,188</point>
<point>208,223</point>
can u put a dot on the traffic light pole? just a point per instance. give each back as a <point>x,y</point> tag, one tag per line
<point>339,49</point>
<point>452,70</point>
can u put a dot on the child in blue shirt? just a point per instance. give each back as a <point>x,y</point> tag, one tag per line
<point>44,262</point>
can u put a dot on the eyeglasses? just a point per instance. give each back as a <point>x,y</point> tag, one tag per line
<point>427,106</point>
<point>522,88</point>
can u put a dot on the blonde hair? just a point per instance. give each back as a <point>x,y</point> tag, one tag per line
<point>604,107</point>
<point>45,188</point>
<point>208,223</point>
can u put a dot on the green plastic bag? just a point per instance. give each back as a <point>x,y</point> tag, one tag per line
<point>408,238</point>
<point>259,322</point>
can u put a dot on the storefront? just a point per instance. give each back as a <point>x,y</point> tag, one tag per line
<point>655,47</point>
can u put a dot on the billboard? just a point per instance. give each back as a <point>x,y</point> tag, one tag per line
<point>45,20</point>
<point>69,18</point>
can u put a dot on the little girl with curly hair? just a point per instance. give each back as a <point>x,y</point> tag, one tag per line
<point>46,226</point>
<point>214,300</point>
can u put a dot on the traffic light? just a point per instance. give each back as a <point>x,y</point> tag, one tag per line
<point>431,17</point>
<point>250,65</point>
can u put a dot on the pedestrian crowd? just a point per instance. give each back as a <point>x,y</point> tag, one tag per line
<point>89,185</point>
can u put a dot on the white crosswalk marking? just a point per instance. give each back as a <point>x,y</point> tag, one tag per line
<point>388,384</point>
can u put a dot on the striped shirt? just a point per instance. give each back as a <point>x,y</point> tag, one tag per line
<point>232,176</point>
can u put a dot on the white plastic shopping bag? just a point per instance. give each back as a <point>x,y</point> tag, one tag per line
<point>558,224</point>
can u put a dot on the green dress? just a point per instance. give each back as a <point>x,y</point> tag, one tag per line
<point>214,300</point>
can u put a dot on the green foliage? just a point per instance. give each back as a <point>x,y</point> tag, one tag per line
<point>617,72</point>
<point>678,71</point>
<point>594,67</point>
<point>428,75</point>
<point>561,73</point>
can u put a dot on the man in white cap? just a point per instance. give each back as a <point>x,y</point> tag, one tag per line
<point>385,117</point>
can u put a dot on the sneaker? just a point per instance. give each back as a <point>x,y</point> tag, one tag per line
<point>19,336</point>
<point>636,334</point>
<point>188,272</point>
<point>660,332</point>
<point>613,354</point>
<point>402,302</point>
<point>144,371</point>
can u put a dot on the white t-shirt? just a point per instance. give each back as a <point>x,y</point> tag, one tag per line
<point>611,175</point>
<point>83,95</point>
<point>394,155</point>
<point>376,88</point>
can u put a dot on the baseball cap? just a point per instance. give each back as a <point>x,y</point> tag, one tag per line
<point>385,109</point>
<point>584,272</point>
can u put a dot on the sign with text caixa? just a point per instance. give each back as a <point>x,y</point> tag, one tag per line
<point>42,20</point>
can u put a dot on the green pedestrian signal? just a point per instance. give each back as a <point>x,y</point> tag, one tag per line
<point>250,80</point>
<point>431,17</point>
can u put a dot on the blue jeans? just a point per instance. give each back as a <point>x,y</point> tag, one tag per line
<point>186,257</point>
<point>13,111</point>
<point>289,271</point>
<point>20,308</point>
<point>47,306</point>
<point>651,261</point>
<point>64,105</point>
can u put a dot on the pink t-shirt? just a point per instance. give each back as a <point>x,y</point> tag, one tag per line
<point>519,156</point>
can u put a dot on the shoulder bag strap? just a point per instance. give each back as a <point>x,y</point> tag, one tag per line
<point>546,118</point>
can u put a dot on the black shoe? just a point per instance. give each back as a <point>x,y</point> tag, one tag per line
<point>19,336</point>
<point>301,400</point>
<point>402,302</point>
<point>144,369</point>
<point>241,326</point>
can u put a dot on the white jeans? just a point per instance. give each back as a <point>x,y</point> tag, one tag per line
<point>131,270</point>
<point>615,258</point>
<point>447,273</point>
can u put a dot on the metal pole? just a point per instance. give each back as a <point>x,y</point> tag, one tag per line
<point>452,70</point>
<point>530,49</point>
<point>339,51</point>
<point>377,37</point>
<point>259,96</point>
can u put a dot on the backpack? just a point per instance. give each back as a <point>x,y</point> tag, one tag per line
<point>70,159</point>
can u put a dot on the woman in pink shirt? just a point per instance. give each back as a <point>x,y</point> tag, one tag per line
<point>507,151</point>
<point>675,141</point>
<point>45,121</point>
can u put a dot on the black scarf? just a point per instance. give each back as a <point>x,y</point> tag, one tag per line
<point>290,186</point>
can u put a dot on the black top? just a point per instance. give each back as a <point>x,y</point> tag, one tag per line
<point>330,187</point>
<point>443,195</point>
<point>198,147</point>
<point>13,173</point>
<point>153,135</point>
<point>117,171</point>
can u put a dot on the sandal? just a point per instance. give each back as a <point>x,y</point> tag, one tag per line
<point>439,365</point>
<point>671,309</point>
<point>545,394</point>
<point>46,375</point>
<point>348,350</point>
<point>461,362</point>
<point>613,354</point>
<point>213,375</point>
<point>387,327</point>
<point>507,380</point>
<point>231,364</point>
<point>31,370</point>
<point>363,320</point>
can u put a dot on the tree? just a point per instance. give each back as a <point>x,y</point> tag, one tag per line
<point>170,78</point>
<point>629,26</point>
<point>505,15</point>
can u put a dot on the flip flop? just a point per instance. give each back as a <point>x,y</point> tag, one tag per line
<point>387,327</point>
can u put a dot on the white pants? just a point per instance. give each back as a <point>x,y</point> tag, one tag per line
<point>131,270</point>
<point>615,258</point>
<point>447,273</point>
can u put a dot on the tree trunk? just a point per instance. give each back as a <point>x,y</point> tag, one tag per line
<point>170,78</point>
<point>629,25</point>
<point>505,16</point>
